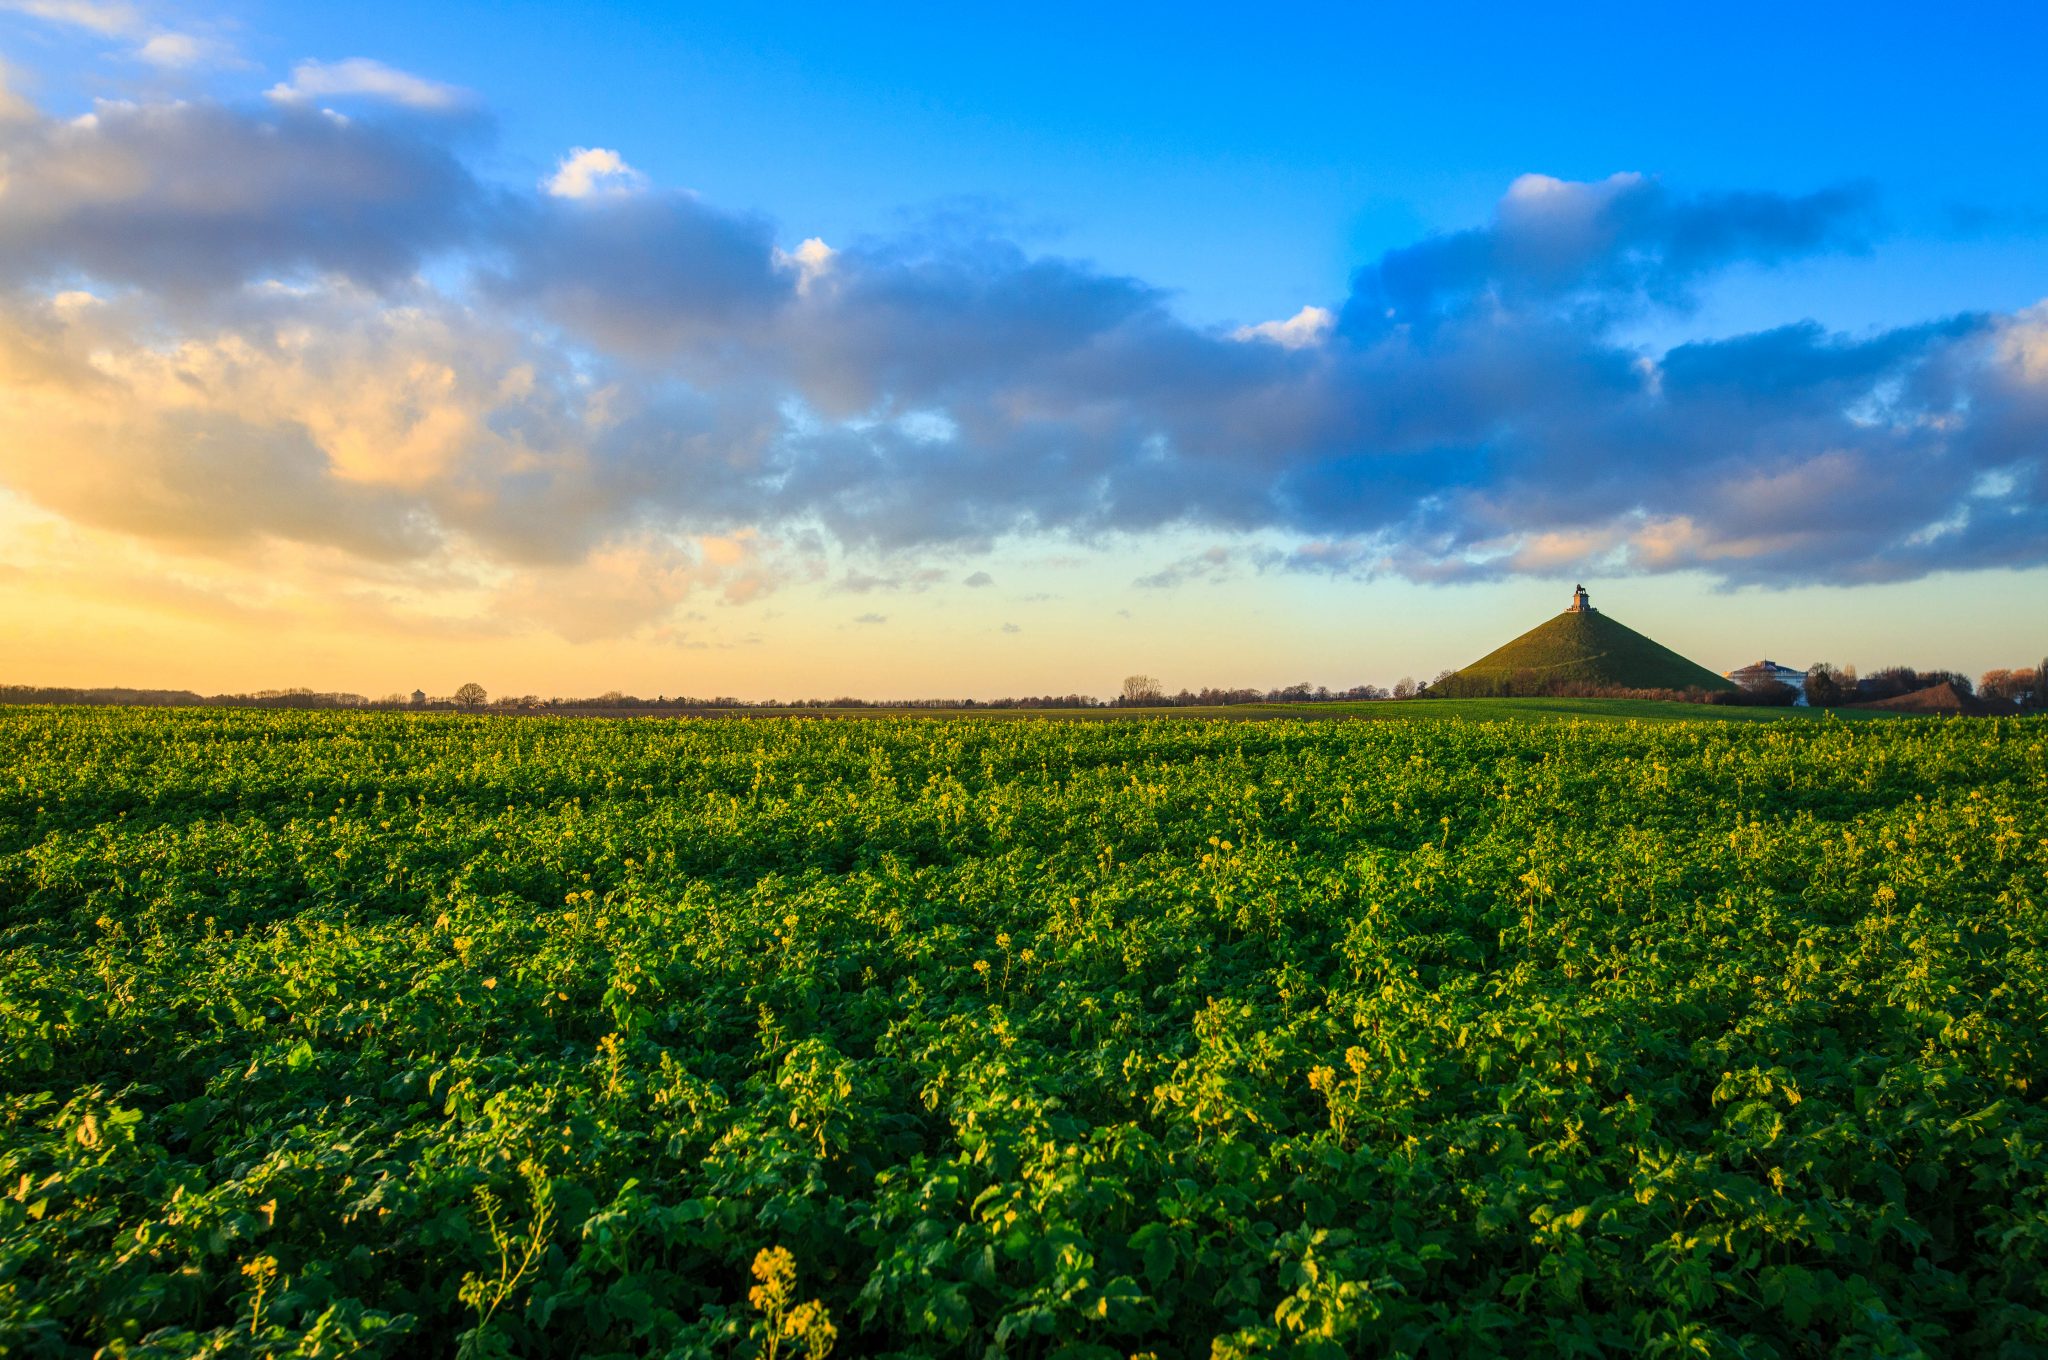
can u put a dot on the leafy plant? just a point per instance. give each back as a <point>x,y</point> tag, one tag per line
<point>373,1034</point>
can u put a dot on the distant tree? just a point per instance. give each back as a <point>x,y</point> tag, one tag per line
<point>1141,689</point>
<point>1761,694</point>
<point>2014,686</point>
<point>1828,687</point>
<point>1404,688</point>
<point>471,695</point>
<point>1889,682</point>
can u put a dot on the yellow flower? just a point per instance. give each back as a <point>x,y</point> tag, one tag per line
<point>775,1266</point>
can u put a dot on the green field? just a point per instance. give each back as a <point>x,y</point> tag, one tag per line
<point>379,1034</point>
<point>1464,710</point>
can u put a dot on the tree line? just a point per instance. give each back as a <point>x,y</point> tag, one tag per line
<point>1824,686</point>
<point>1143,691</point>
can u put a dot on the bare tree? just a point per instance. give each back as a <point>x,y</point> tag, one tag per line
<point>1141,689</point>
<point>471,695</point>
<point>1404,688</point>
<point>2014,685</point>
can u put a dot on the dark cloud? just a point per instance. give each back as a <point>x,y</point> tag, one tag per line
<point>642,274</point>
<point>1211,564</point>
<point>1623,240</point>
<point>195,197</point>
<point>862,583</point>
<point>1802,364</point>
<point>630,362</point>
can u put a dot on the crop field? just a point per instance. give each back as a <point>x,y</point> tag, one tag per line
<point>377,1034</point>
<point>1378,710</point>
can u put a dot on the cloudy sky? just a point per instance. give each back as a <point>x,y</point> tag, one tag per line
<point>884,351</point>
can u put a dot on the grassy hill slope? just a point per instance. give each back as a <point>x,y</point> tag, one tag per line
<point>1590,648</point>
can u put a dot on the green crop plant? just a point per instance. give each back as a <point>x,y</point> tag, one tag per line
<point>330,1034</point>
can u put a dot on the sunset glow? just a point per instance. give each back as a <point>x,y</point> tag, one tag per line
<point>340,358</point>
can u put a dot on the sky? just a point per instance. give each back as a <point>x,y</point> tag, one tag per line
<point>789,351</point>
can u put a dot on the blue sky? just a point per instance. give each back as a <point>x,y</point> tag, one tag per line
<point>1101,202</point>
<point>1252,160</point>
<point>1247,160</point>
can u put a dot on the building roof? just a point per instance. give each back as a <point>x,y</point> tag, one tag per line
<point>1758,669</point>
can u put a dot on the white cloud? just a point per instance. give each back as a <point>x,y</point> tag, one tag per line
<point>1309,326</point>
<point>111,17</point>
<point>179,51</point>
<point>371,79</point>
<point>2023,344</point>
<point>811,261</point>
<point>13,109</point>
<point>1541,193</point>
<point>637,583</point>
<point>166,49</point>
<point>589,170</point>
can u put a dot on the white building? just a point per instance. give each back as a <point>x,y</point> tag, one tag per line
<point>1758,673</point>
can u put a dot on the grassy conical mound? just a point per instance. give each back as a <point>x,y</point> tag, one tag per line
<point>1579,648</point>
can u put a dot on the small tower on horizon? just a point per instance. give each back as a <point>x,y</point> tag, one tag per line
<point>1581,602</point>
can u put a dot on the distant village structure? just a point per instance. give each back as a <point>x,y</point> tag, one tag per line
<point>419,698</point>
